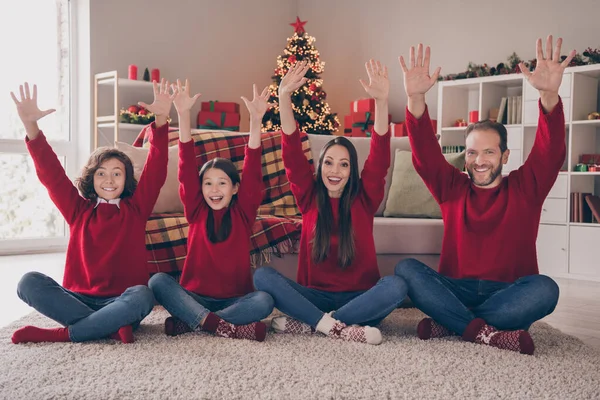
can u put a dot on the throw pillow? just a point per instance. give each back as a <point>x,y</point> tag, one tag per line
<point>168,200</point>
<point>408,196</point>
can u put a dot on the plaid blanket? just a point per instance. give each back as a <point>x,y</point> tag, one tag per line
<point>277,228</point>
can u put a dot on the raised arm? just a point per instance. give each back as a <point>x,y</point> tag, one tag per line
<point>541,168</point>
<point>378,161</point>
<point>154,173</point>
<point>47,166</point>
<point>250,194</point>
<point>430,164</point>
<point>190,188</point>
<point>297,168</point>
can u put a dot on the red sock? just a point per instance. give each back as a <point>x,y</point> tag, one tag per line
<point>124,334</point>
<point>254,331</point>
<point>36,335</point>
<point>479,332</point>
<point>429,329</point>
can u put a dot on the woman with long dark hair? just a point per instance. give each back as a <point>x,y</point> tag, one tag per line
<point>338,291</point>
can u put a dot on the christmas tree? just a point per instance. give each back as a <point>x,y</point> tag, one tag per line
<point>310,108</point>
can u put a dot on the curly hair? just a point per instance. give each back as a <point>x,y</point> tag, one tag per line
<point>85,183</point>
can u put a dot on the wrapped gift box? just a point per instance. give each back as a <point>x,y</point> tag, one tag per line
<point>398,129</point>
<point>362,106</point>
<point>220,106</point>
<point>218,120</point>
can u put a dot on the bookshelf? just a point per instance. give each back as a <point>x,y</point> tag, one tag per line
<point>111,93</point>
<point>566,247</point>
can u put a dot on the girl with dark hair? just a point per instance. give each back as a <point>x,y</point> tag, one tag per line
<point>338,290</point>
<point>215,293</point>
<point>104,290</point>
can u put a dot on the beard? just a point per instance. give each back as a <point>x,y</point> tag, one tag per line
<point>492,175</point>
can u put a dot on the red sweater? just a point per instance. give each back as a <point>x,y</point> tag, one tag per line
<point>219,270</point>
<point>107,244</point>
<point>363,273</point>
<point>490,234</point>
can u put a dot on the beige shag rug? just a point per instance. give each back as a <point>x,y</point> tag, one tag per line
<point>200,366</point>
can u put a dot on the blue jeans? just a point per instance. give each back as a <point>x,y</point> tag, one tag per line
<point>308,305</point>
<point>192,308</point>
<point>86,317</point>
<point>454,303</point>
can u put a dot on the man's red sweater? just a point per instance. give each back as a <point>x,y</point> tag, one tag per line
<point>219,270</point>
<point>490,234</point>
<point>107,245</point>
<point>363,273</point>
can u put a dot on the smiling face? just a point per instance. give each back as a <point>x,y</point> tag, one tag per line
<point>335,170</point>
<point>217,188</point>
<point>484,159</point>
<point>109,179</point>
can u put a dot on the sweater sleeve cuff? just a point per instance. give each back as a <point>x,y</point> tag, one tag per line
<point>556,113</point>
<point>290,139</point>
<point>40,140</point>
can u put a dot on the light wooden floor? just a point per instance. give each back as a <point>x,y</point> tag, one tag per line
<point>577,313</point>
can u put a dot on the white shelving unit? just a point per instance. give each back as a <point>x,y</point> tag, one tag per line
<point>565,249</point>
<point>112,93</point>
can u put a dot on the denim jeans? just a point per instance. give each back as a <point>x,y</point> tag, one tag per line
<point>86,317</point>
<point>454,303</point>
<point>308,305</point>
<point>192,308</point>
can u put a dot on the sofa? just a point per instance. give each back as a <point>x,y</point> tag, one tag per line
<point>396,237</point>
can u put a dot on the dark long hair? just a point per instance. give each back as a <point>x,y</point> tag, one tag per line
<point>324,226</point>
<point>224,231</point>
<point>85,183</point>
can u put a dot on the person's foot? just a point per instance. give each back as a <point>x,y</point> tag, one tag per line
<point>254,331</point>
<point>174,326</point>
<point>479,332</point>
<point>429,329</point>
<point>353,333</point>
<point>124,334</point>
<point>33,334</point>
<point>290,325</point>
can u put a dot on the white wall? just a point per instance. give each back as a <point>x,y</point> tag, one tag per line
<point>224,46</point>
<point>349,32</point>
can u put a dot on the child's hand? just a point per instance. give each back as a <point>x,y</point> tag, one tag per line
<point>162,99</point>
<point>379,84</point>
<point>294,79</point>
<point>27,108</point>
<point>182,100</point>
<point>259,104</point>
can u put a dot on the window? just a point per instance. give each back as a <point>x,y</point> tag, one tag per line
<point>29,219</point>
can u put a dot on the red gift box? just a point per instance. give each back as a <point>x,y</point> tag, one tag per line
<point>398,129</point>
<point>362,106</point>
<point>347,125</point>
<point>220,106</point>
<point>589,159</point>
<point>358,132</point>
<point>219,120</point>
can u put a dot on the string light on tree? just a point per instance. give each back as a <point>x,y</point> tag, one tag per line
<point>308,102</point>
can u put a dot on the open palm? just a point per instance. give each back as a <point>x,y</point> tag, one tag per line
<point>162,99</point>
<point>27,107</point>
<point>417,79</point>
<point>548,72</point>
<point>294,78</point>
<point>182,100</point>
<point>379,84</point>
<point>259,104</point>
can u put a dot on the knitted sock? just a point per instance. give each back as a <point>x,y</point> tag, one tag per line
<point>254,331</point>
<point>429,329</point>
<point>125,334</point>
<point>174,326</point>
<point>354,333</point>
<point>35,335</point>
<point>290,325</point>
<point>479,332</point>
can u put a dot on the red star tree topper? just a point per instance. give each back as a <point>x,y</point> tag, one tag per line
<point>310,108</point>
